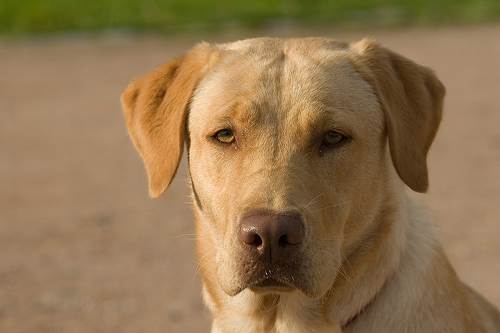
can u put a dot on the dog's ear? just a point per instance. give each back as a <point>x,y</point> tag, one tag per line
<point>411,97</point>
<point>155,108</point>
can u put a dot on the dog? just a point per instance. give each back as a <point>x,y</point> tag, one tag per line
<point>301,153</point>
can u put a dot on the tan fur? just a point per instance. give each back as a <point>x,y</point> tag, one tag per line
<point>412,99</point>
<point>369,261</point>
<point>155,109</point>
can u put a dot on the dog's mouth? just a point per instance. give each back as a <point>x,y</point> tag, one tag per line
<point>270,285</point>
<point>263,278</point>
<point>267,283</point>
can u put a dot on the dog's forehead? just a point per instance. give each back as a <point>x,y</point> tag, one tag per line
<point>265,45</point>
<point>283,75</point>
<point>296,57</point>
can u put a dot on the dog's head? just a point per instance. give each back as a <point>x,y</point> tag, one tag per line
<point>295,146</point>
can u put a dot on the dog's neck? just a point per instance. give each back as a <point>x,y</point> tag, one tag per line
<point>369,264</point>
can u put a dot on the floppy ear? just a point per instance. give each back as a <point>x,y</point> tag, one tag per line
<point>411,97</point>
<point>155,108</point>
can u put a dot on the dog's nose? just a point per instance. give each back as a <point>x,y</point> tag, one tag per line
<point>274,235</point>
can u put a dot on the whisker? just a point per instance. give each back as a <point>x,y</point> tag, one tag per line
<point>312,201</point>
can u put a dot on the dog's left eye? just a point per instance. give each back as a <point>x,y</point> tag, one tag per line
<point>332,139</point>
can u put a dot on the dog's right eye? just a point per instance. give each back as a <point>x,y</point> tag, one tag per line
<point>224,136</point>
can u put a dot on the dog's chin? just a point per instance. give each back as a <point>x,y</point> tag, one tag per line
<point>269,285</point>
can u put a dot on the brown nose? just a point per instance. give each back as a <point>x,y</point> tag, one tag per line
<point>272,235</point>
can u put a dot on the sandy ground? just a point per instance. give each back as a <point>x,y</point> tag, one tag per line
<point>83,248</point>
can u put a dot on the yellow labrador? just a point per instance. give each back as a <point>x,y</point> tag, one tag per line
<point>300,151</point>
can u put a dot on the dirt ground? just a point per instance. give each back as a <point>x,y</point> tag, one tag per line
<point>83,248</point>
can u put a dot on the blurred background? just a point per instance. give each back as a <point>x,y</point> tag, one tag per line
<point>83,248</point>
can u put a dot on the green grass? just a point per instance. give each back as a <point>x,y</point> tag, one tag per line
<point>173,16</point>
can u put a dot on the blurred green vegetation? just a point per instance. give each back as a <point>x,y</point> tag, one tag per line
<point>173,16</point>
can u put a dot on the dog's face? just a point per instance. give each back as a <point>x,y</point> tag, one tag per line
<point>301,132</point>
<point>288,150</point>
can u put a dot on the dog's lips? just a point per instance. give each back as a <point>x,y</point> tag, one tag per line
<point>270,284</point>
<point>261,277</point>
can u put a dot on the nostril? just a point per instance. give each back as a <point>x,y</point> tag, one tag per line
<point>257,241</point>
<point>250,237</point>
<point>283,241</point>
